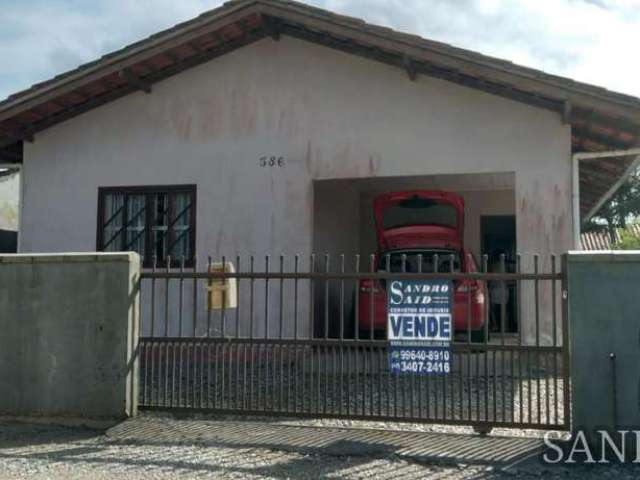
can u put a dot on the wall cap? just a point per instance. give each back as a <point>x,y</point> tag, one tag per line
<point>71,257</point>
<point>604,256</point>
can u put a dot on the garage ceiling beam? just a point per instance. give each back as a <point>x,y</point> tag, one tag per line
<point>132,79</point>
<point>591,117</point>
<point>608,142</point>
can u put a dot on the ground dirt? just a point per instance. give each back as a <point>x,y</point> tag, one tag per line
<point>160,447</point>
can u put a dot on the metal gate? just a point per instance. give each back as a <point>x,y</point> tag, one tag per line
<point>286,336</point>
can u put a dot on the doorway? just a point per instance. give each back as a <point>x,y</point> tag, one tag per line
<point>498,237</point>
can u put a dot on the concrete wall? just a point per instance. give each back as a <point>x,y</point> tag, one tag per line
<point>603,316</point>
<point>329,114</point>
<point>69,328</point>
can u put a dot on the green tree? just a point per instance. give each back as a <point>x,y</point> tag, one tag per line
<point>628,241</point>
<point>622,208</point>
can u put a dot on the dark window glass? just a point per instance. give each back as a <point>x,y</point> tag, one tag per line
<point>419,211</point>
<point>156,222</point>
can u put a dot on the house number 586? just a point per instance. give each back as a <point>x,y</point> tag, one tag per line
<point>271,161</point>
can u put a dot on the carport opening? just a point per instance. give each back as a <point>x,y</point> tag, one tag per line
<point>344,225</point>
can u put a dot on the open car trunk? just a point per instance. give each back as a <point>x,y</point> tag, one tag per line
<point>419,219</point>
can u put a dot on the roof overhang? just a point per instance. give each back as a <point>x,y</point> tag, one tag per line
<point>601,120</point>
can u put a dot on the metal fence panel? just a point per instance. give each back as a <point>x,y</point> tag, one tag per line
<point>296,343</point>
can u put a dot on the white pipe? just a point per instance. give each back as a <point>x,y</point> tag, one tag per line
<point>575,200</point>
<point>608,154</point>
<point>20,211</point>
<point>575,183</point>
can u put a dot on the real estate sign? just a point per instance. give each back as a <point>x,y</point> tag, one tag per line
<point>419,326</point>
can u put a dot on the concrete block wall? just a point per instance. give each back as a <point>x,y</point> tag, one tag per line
<point>604,316</point>
<point>69,326</point>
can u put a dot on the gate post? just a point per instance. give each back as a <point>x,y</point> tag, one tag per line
<point>604,310</point>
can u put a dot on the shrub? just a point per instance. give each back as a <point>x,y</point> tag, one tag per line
<point>628,241</point>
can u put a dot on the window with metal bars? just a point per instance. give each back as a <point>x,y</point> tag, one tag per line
<point>156,222</point>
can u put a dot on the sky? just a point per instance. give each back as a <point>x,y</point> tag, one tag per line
<point>595,41</point>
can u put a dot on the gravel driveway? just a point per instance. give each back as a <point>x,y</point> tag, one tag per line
<point>163,448</point>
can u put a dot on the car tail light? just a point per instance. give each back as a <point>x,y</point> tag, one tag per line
<point>474,289</point>
<point>369,286</point>
<point>467,287</point>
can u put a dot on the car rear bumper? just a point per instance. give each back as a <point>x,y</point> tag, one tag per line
<point>466,314</point>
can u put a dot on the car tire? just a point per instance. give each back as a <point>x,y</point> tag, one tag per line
<point>364,334</point>
<point>479,336</point>
<point>350,324</point>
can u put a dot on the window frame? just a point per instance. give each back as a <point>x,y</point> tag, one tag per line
<point>147,191</point>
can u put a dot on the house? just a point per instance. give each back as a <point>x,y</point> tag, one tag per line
<point>267,126</point>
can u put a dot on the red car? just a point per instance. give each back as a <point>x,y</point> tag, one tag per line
<point>421,226</point>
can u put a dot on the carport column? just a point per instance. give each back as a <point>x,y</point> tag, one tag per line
<point>604,308</point>
<point>543,227</point>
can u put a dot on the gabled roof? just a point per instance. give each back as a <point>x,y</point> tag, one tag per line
<point>600,119</point>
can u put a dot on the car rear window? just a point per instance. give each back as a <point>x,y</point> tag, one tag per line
<point>419,211</point>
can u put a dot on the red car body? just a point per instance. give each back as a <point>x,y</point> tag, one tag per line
<point>414,226</point>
